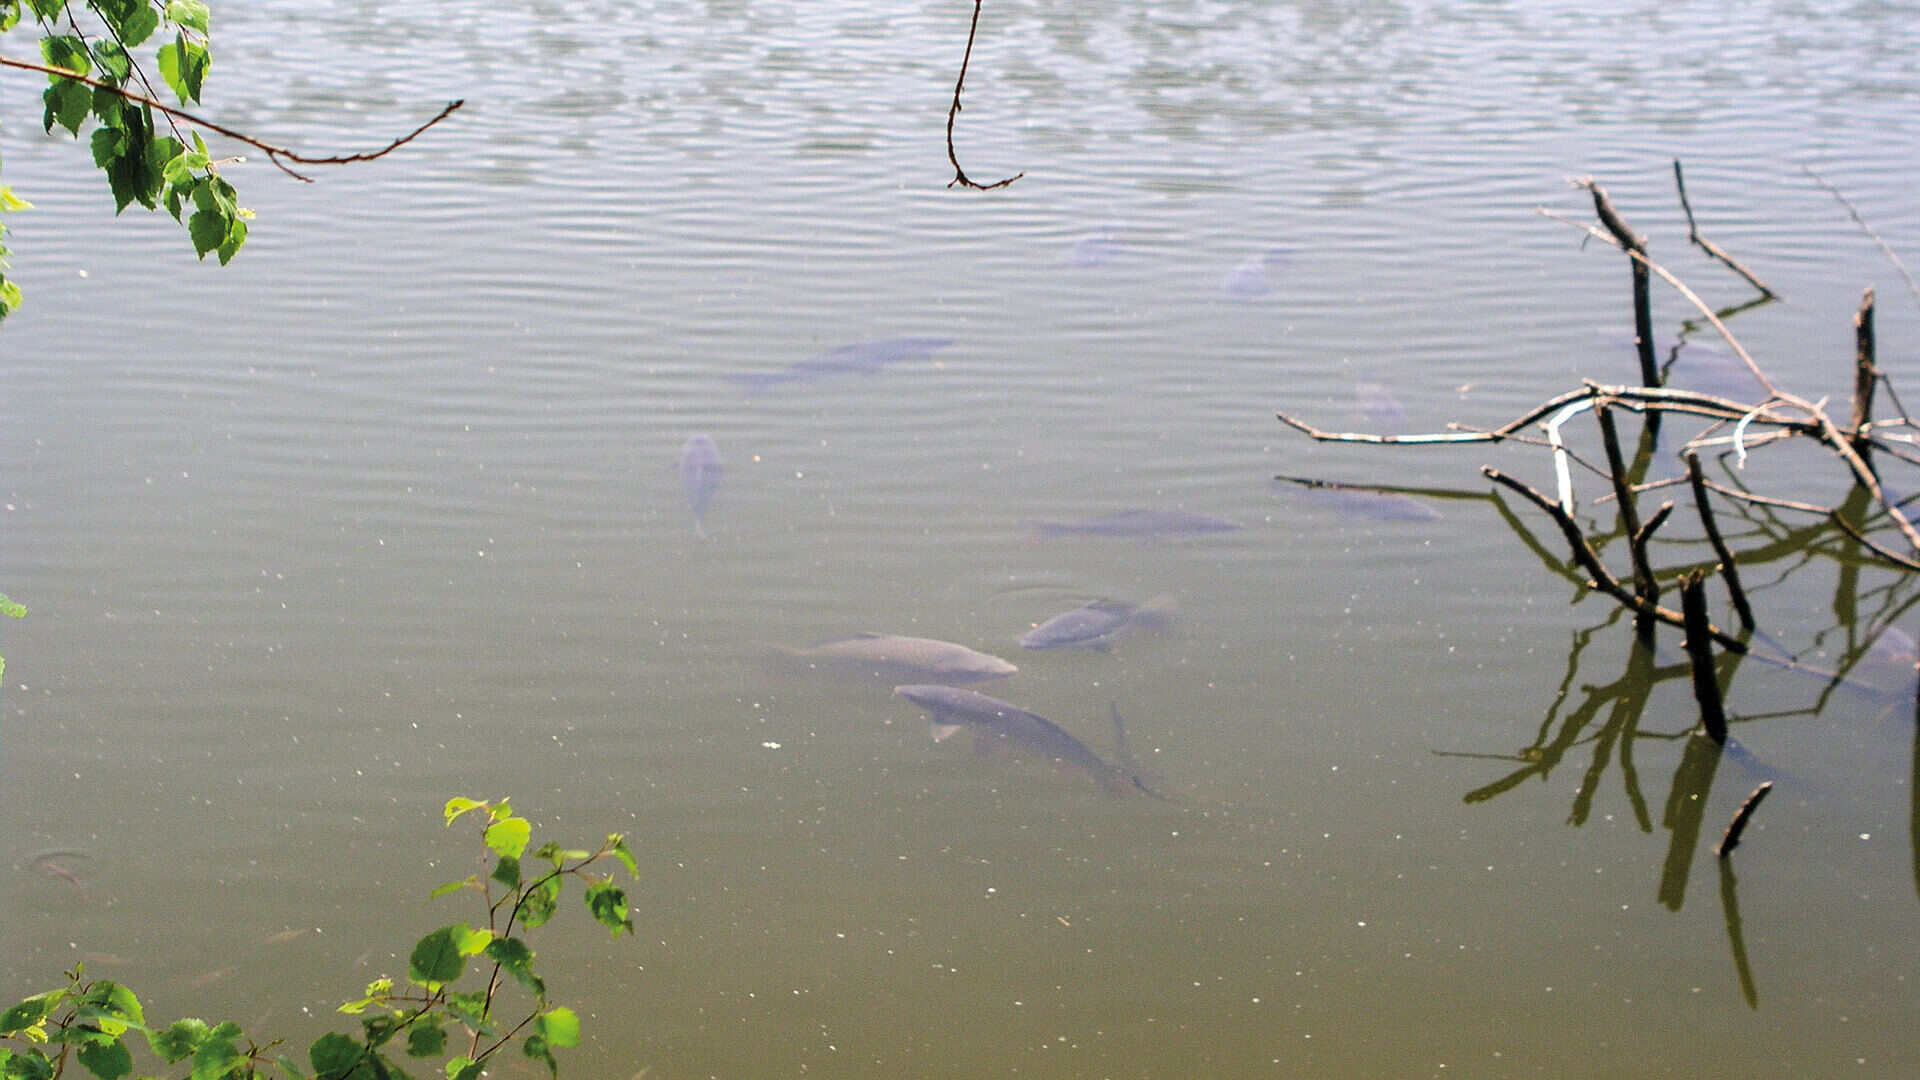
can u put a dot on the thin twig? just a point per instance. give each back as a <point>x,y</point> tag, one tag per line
<point>1708,246</point>
<point>1729,572</point>
<point>1847,527</point>
<point>1767,500</point>
<point>1692,297</point>
<point>1854,213</point>
<point>1862,473</point>
<point>1731,838</point>
<point>1601,578</point>
<point>1639,398</point>
<point>274,153</point>
<point>959,174</point>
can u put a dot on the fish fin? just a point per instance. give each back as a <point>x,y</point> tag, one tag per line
<point>943,732</point>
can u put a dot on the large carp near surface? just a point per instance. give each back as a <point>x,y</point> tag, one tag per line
<point>414,499</point>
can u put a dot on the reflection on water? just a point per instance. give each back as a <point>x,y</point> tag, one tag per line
<point>386,512</point>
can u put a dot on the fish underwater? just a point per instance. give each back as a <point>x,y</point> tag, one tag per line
<point>889,659</point>
<point>1095,625</point>
<point>952,709</point>
<point>867,356</point>
<point>1135,525</point>
<point>1248,281</point>
<point>700,469</point>
<point>1379,406</point>
<point>1097,248</point>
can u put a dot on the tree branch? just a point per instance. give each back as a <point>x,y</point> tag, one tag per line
<point>959,174</point>
<point>279,155</point>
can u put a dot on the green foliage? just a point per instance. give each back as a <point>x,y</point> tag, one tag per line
<point>7,607</point>
<point>87,1022</point>
<point>102,80</point>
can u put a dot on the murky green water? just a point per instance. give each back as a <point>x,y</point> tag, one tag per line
<point>385,512</point>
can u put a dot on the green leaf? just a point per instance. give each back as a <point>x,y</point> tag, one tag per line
<point>115,64</point>
<point>464,1068</point>
<point>191,14</point>
<point>458,806</point>
<point>139,25</point>
<point>436,960</point>
<point>379,991</point>
<point>617,846</point>
<point>540,903</point>
<point>501,809</point>
<point>536,1048</point>
<point>471,941</point>
<point>507,871</point>
<point>108,1061</point>
<point>9,201</point>
<point>426,1038</point>
<point>30,1011</point>
<point>335,1055</point>
<point>177,1040</point>
<point>109,143</point>
<point>29,1065</point>
<point>184,65</point>
<point>516,959</point>
<point>471,1009</point>
<point>509,836</point>
<point>207,230</point>
<point>47,9</point>
<point>113,1006</point>
<point>608,902</point>
<point>9,300</point>
<point>68,104</point>
<point>217,1056</point>
<point>290,1067</point>
<point>236,236</point>
<point>67,52</point>
<point>379,1029</point>
<point>559,1026</point>
<point>454,887</point>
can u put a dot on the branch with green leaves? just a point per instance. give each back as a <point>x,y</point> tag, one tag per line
<point>89,1022</point>
<point>94,74</point>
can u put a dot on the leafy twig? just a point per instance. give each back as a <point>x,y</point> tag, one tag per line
<point>274,153</point>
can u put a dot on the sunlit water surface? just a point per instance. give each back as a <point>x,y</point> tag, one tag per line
<point>386,512</point>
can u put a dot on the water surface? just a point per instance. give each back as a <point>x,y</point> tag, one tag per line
<point>384,512</point>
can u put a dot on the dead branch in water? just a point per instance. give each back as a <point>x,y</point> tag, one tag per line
<point>1738,827</point>
<point>1708,246</point>
<point>1854,213</point>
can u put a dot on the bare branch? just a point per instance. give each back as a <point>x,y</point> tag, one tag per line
<point>1589,560</point>
<point>959,174</point>
<point>1854,213</point>
<point>1708,246</point>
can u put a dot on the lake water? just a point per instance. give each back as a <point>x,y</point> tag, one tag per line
<point>386,512</point>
